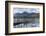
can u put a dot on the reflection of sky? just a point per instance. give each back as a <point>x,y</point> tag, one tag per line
<point>29,10</point>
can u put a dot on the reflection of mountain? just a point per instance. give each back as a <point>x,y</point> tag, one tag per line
<point>26,15</point>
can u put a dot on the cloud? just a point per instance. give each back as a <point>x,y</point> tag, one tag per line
<point>29,10</point>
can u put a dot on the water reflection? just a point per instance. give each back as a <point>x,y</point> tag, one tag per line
<point>35,23</point>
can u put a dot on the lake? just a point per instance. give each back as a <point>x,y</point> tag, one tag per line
<point>35,23</point>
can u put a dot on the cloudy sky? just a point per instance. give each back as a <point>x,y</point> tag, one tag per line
<point>29,10</point>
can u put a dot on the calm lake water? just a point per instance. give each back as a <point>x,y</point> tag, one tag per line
<point>35,23</point>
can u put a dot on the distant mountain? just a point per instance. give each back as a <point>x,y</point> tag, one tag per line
<point>26,14</point>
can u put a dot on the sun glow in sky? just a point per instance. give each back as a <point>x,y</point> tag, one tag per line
<point>29,10</point>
